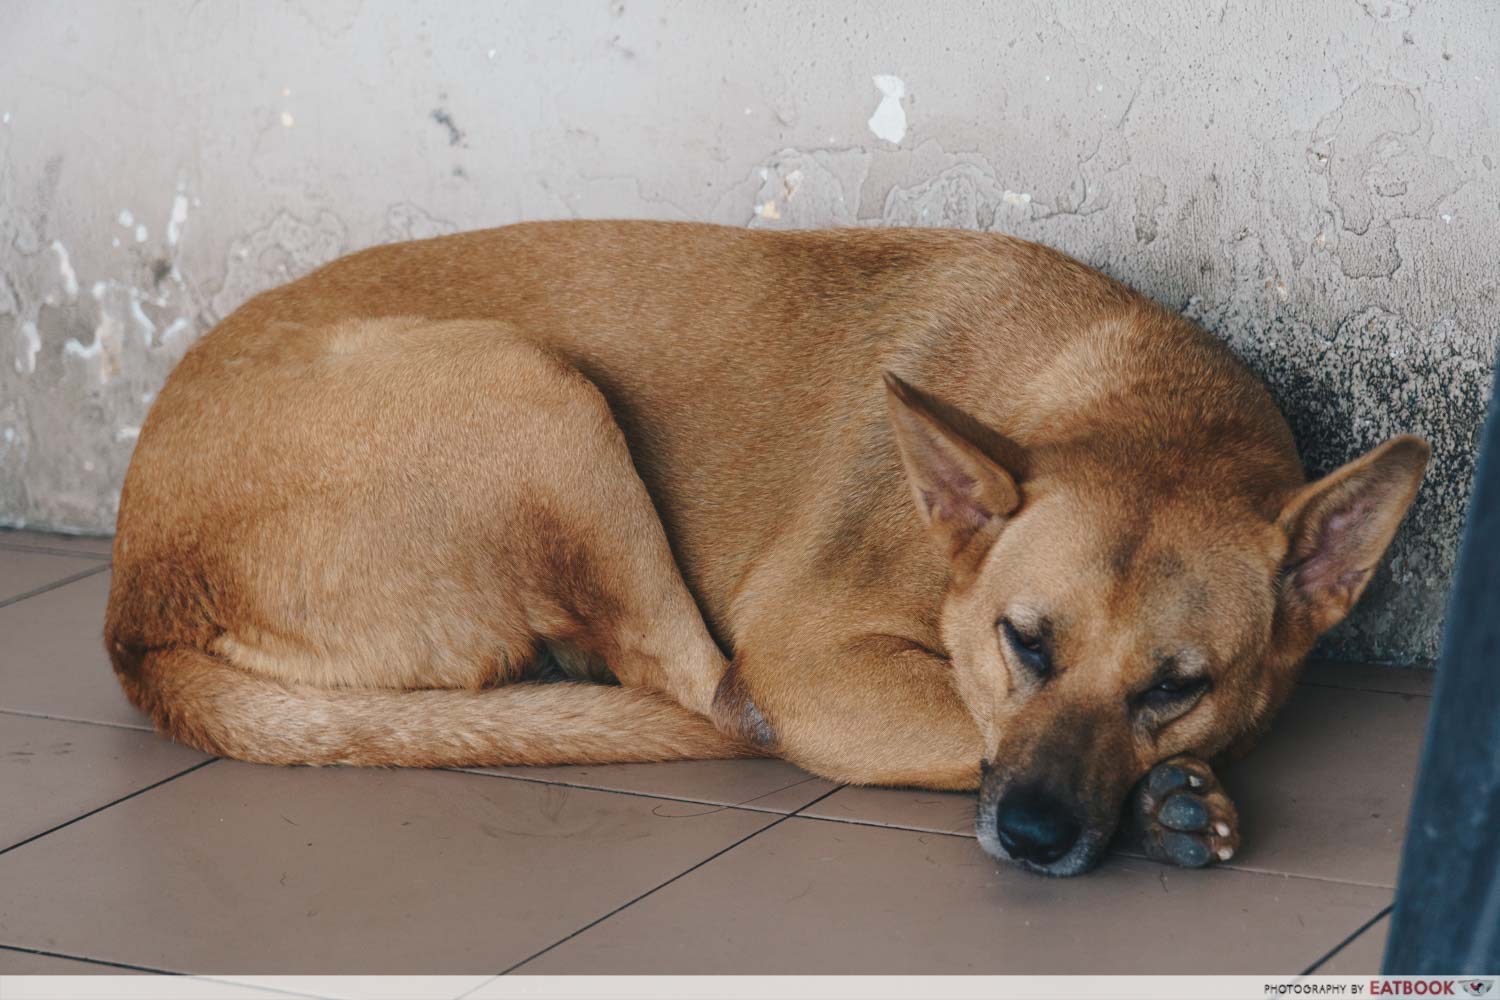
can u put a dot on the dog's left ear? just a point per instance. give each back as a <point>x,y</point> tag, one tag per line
<point>1339,527</point>
<point>962,494</point>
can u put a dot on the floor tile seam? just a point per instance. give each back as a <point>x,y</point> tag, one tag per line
<point>657,888</point>
<point>47,550</point>
<point>54,585</point>
<point>108,805</point>
<point>1133,855</point>
<point>745,806</point>
<point>24,950</point>
<point>1361,929</point>
<point>1425,695</point>
<point>24,714</point>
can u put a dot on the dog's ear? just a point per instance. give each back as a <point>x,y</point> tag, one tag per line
<point>1338,528</point>
<point>962,493</point>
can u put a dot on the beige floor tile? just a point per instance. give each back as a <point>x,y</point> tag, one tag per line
<point>27,963</point>
<point>54,662</point>
<point>1360,957</point>
<point>1362,677</point>
<point>90,545</point>
<point>239,869</point>
<point>51,772</point>
<point>809,896</point>
<point>767,785</point>
<point>22,572</point>
<point>1328,791</point>
<point>911,809</point>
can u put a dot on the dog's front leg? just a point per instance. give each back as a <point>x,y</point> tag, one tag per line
<point>1182,815</point>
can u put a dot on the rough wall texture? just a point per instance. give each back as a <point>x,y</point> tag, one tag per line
<point>1314,182</point>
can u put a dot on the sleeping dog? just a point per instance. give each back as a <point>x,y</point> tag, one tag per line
<point>905,507</point>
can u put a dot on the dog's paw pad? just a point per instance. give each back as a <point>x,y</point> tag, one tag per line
<point>1183,812</point>
<point>1185,850</point>
<point>1166,778</point>
<point>1182,815</point>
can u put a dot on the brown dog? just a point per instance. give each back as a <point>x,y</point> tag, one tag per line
<point>370,502</point>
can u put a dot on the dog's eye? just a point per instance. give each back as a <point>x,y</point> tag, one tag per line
<point>1172,692</point>
<point>1030,647</point>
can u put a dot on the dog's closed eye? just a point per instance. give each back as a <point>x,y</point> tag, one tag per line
<point>1172,692</point>
<point>1030,646</point>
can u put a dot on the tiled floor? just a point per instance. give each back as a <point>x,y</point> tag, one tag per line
<point>120,851</point>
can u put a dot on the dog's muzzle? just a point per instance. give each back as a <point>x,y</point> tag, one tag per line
<point>1036,829</point>
<point>1033,825</point>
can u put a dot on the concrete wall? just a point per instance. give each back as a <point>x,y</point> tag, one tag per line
<point>1314,182</point>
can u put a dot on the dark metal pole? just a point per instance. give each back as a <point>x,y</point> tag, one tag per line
<point>1447,913</point>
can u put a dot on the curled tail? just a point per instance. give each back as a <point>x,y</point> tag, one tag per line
<point>201,700</point>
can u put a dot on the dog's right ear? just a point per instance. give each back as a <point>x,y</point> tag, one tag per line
<point>962,494</point>
<point>1338,527</point>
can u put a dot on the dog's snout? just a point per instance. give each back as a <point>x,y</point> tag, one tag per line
<point>1035,826</point>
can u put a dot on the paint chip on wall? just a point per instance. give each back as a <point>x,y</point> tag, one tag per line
<point>30,344</point>
<point>65,269</point>
<point>179,216</point>
<point>889,120</point>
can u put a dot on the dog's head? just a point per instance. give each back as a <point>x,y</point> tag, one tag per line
<point>1112,608</point>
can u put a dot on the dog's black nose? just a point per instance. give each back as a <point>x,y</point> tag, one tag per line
<point>1034,826</point>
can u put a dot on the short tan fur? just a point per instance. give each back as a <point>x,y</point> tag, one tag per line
<point>906,507</point>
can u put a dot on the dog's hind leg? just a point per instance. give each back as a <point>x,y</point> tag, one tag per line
<point>396,515</point>
<point>585,547</point>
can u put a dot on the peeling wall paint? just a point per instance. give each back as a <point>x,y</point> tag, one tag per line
<point>889,120</point>
<point>1323,197</point>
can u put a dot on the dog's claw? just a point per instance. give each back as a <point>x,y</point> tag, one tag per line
<point>1182,815</point>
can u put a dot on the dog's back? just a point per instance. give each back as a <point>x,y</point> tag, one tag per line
<point>739,364</point>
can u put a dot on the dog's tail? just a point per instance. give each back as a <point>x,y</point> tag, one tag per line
<point>201,700</point>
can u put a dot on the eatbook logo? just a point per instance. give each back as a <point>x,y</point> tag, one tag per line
<point>1478,987</point>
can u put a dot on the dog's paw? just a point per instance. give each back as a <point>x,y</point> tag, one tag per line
<point>1183,816</point>
<point>736,715</point>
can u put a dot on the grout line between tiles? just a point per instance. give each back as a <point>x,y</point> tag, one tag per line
<point>142,728</point>
<point>90,961</point>
<point>47,550</point>
<point>91,571</point>
<point>682,874</point>
<point>100,809</point>
<point>886,826</point>
<point>1246,869</point>
<point>1366,690</point>
<point>1132,855</point>
<point>649,795</point>
<point>1350,939</point>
